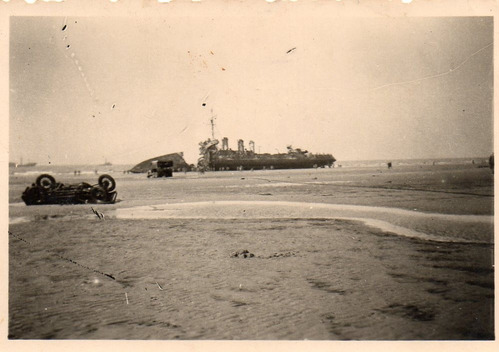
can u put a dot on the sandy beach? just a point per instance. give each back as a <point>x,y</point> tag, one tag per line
<point>318,254</point>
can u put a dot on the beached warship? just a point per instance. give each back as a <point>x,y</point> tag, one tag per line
<point>218,159</point>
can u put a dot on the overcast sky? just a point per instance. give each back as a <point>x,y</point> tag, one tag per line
<point>89,89</point>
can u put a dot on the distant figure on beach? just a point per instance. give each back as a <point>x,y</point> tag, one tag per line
<point>491,161</point>
<point>389,165</point>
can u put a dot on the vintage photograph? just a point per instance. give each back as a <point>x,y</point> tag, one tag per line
<point>278,175</point>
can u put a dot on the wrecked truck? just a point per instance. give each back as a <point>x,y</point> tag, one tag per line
<point>160,168</point>
<point>46,190</point>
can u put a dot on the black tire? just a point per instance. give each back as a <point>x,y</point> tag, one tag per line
<point>46,181</point>
<point>107,182</point>
<point>98,193</point>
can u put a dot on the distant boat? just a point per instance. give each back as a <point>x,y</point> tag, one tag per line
<point>11,164</point>
<point>106,163</point>
<point>26,165</point>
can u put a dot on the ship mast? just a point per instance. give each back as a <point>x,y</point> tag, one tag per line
<point>212,123</point>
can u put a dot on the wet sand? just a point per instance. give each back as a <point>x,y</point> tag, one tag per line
<point>327,254</point>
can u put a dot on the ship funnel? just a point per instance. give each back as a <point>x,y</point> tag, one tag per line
<point>251,145</point>
<point>225,143</point>
<point>241,146</point>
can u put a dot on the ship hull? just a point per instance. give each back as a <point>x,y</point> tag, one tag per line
<point>218,163</point>
<point>177,158</point>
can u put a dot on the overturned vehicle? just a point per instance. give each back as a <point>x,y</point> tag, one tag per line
<point>46,190</point>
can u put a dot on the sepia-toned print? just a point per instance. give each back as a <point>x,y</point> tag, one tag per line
<point>280,176</point>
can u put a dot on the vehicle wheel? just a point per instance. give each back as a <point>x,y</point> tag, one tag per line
<point>107,182</point>
<point>46,181</point>
<point>98,193</point>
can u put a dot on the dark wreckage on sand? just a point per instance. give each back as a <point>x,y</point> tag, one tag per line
<point>218,159</point>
